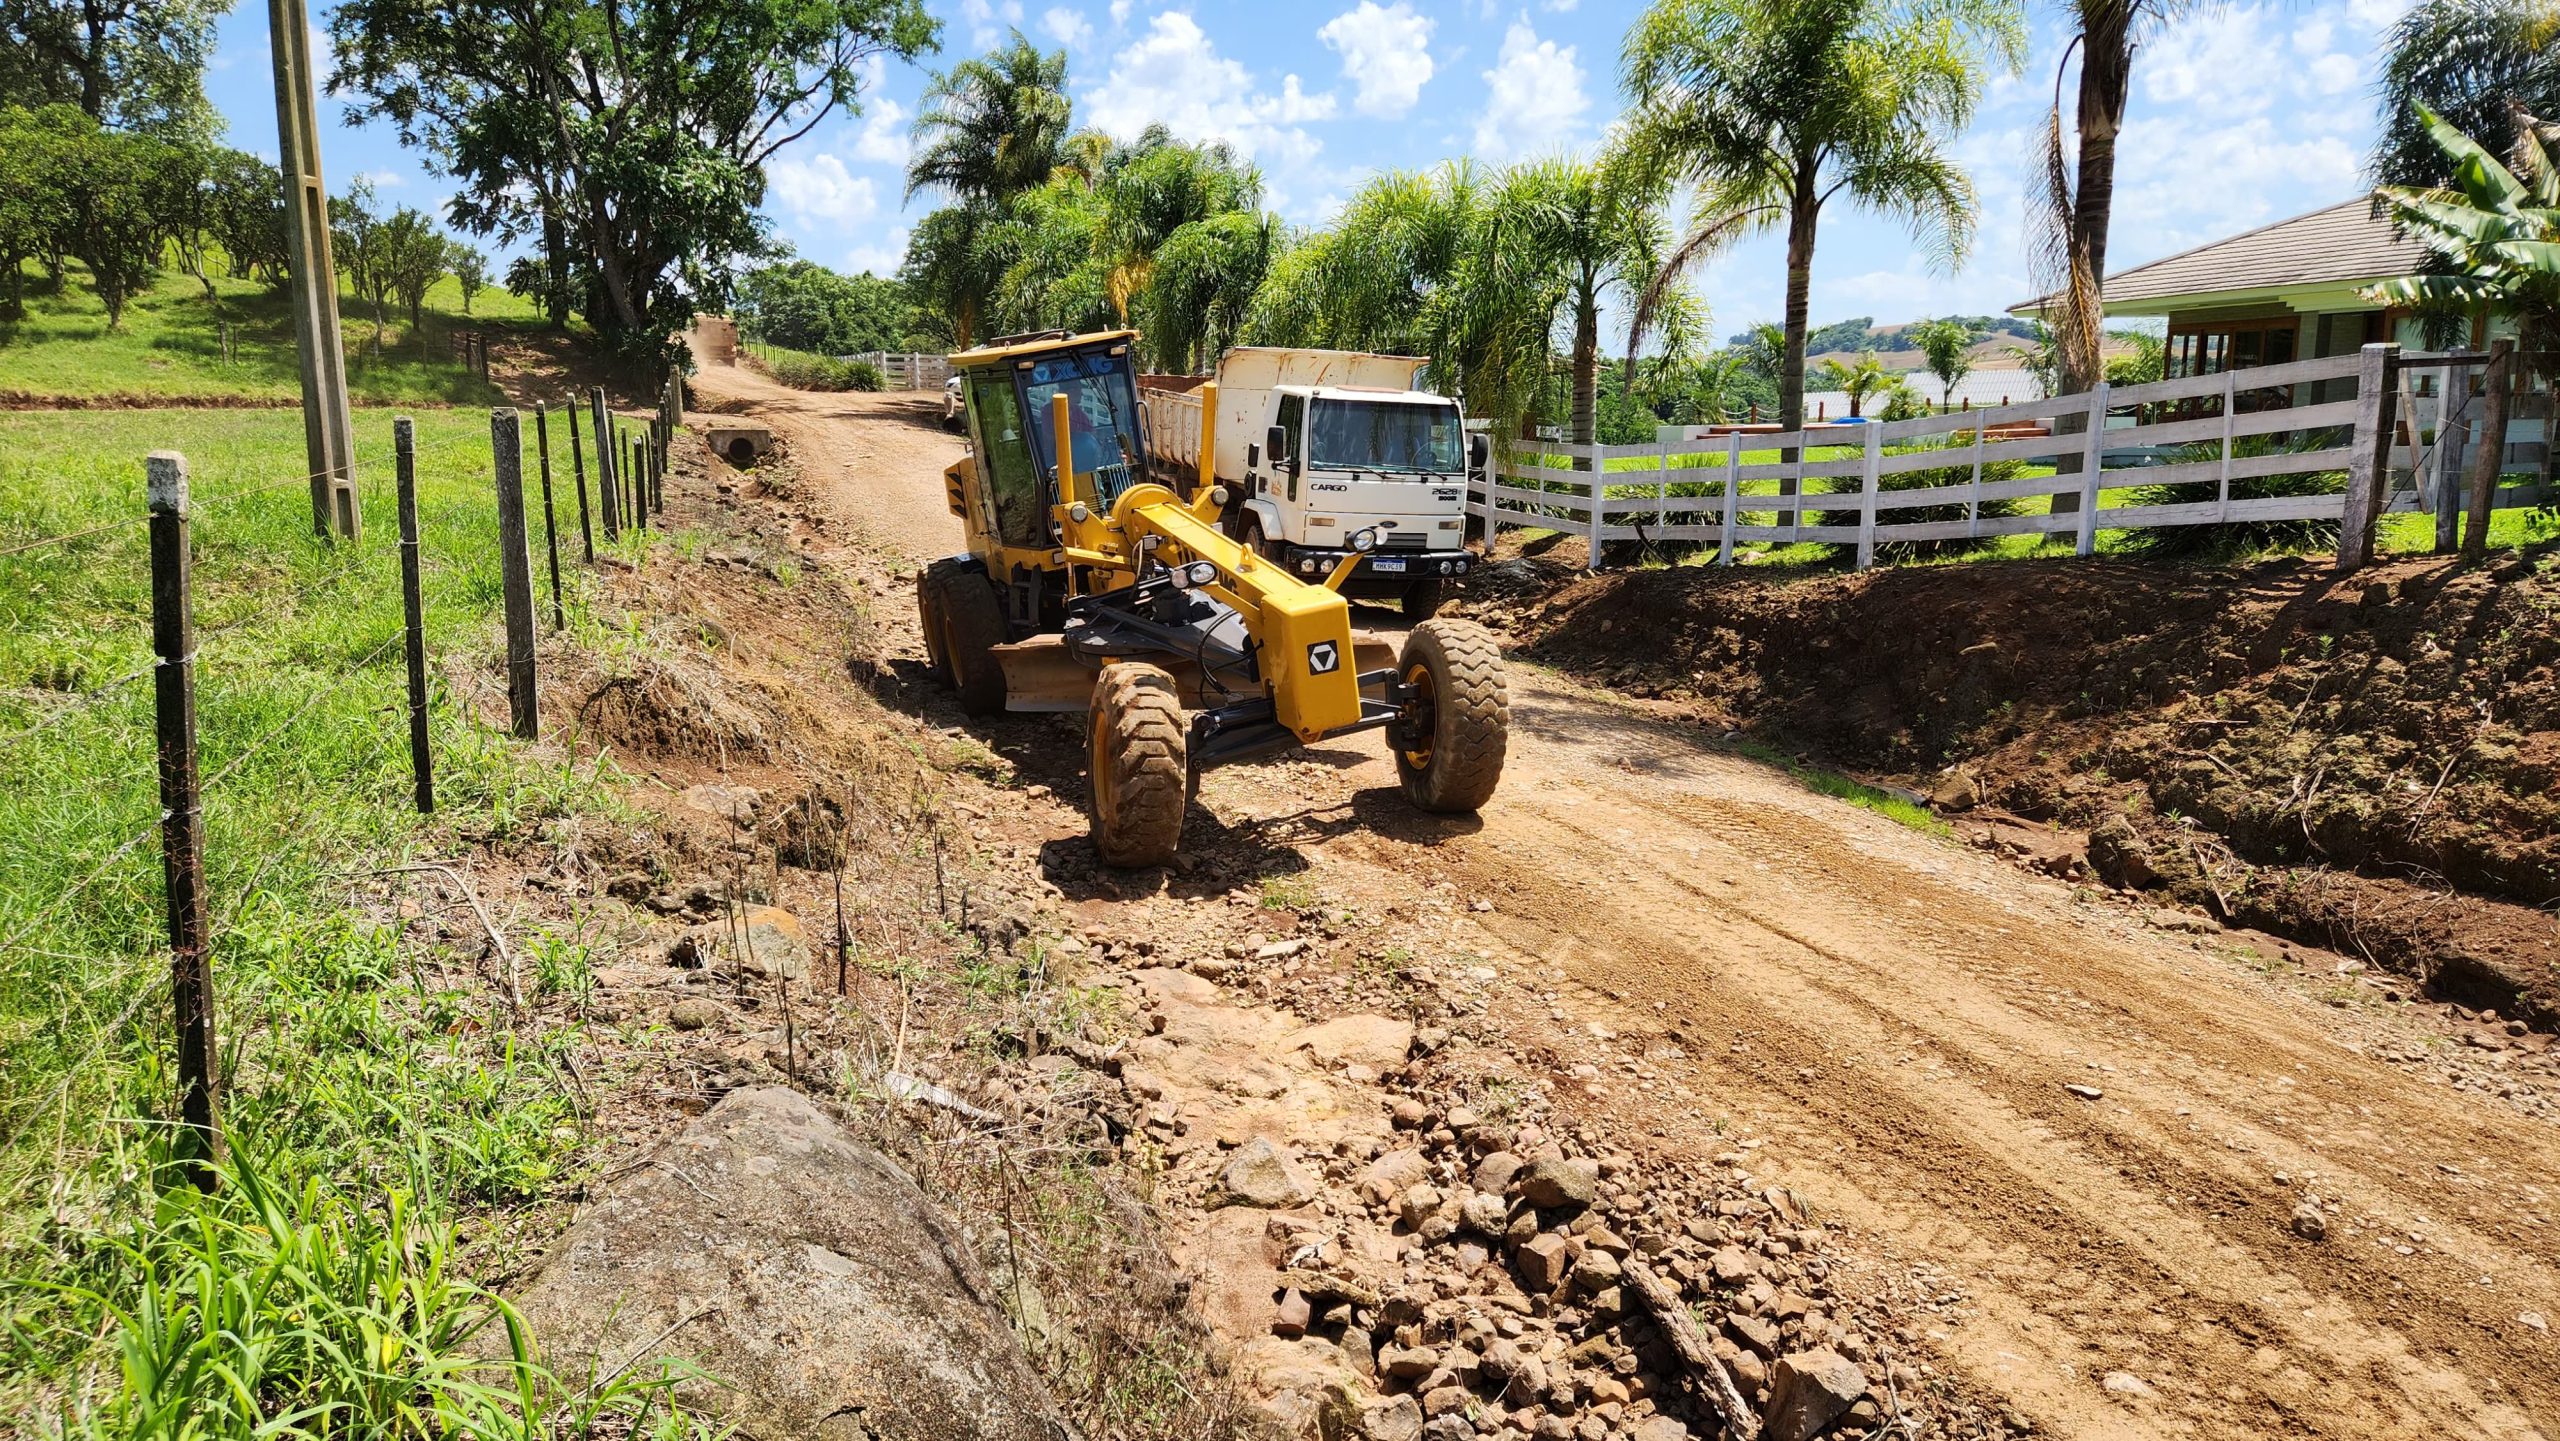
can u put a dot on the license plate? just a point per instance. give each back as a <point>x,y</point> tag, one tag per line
<point>1384,565</point>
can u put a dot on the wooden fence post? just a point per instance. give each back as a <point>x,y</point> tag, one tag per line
<point>515,572</point>
<point>1732,495</point>
<point>2369,463</point>
<point>578,470</point>
<point>413,610</point>
<point>2488,458</point>
<point>173,641</point>
<point>2091,473</point>
<point>550,517</point>
<point>1870,477</point>
<point>608,490</point>
<point>1599,483</point>
<point>2453,431</point>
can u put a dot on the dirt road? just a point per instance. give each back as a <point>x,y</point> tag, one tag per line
<point>2103,1139</point>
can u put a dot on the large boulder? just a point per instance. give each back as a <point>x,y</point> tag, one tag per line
<point>801,1271</point>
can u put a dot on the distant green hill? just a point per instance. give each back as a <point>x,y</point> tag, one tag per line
<point>1862,333</point>
<point>170,345</point>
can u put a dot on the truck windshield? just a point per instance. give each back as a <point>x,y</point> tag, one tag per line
<point>1395,436</point>
<point>1102,418</point>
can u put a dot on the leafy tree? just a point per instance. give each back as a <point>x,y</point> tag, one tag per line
<point>955,259</point>
<point>2467,61</point>
<point>247,216</point>
<point>357,244</point>
<point>130,64</point>
<point>34,212</point>
<point>102,197</point>
<point>1773,108</point>
<point>992,127</point>
<point>2041,359</point>
<point>2147,361</point>
<point>631,136</point>
<point>415,256</point>
<point>1865,377</point>
<point>1947,345</point>
<point>470,270</point>
<point>802,305</point>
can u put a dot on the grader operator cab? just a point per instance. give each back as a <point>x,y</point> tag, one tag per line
<point>1088,587</point>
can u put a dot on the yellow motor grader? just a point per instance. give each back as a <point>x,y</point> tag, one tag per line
<point>1089,587</point>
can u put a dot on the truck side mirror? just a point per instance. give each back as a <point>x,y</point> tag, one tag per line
<point>1275,444</point>
<point>1479,450</point>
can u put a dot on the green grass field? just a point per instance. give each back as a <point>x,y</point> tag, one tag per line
<point>170,344</point>
<point>371,1103</point>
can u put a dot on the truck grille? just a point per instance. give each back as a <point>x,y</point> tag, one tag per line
<point>1406,540</point>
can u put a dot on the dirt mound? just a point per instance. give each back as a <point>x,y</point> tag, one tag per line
<point>2401,727</point>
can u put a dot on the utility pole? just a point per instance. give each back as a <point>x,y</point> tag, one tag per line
<point>328,432</point>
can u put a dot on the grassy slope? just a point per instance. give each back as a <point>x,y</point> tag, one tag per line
<point>346,1082</point>
<point>169,344</point>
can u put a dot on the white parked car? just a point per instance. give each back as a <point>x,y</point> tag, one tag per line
<point>952,405</point>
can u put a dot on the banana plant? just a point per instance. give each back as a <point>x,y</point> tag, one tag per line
<point>2495,232</point>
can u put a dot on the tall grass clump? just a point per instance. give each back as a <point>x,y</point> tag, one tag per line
<point>803,371</point>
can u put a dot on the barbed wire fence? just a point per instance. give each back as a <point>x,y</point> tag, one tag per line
<point>627,457</point>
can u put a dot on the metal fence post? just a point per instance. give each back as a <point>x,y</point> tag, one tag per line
<point>413,609</point>
<point>550,518</point>
<point>2369,464</point>
<point>173,641</point>
<point>515,571</point>
<point>1870,476</point>
<point>2090,474</point>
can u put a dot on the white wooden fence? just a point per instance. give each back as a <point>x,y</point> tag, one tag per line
<point>907,370</point>
<point>2379,438</point>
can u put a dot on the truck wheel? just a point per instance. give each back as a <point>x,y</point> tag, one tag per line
<point>1422,599</point>
<point>1252,537</point>
<point>931,585</point>
<point>1450,744</point>
<point>1137,744</point>
<point>972,628</point>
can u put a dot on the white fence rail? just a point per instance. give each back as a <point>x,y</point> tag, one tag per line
<point>907,370</point>
<point>2361,435</point>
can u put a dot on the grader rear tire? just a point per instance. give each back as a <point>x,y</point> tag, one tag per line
<point>1449,753</point>
<point>1136,745</point>
<point>972,628</point>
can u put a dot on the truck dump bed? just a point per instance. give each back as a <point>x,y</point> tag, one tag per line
<point>1246,376</point>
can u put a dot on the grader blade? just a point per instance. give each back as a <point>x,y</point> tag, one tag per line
<point>1042,676</point>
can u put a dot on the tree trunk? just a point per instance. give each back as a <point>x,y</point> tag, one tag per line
<point>1802,217</point>
<point>1586,372</point>
<point>2106,74</point>
<point>555,267</point>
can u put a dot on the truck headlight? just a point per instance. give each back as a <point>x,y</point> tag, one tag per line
<point>1308,567</point>
<point>1446,568</point>
<point>1364,541</point>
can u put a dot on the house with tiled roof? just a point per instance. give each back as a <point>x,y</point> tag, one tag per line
<point>2286,291</point>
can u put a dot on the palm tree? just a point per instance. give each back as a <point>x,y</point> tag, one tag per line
<point>1204,276</point>
<point>2496,230</point>
<point>1947,345</point>
<point>2070,217</point>
<point>1153,189</point>
<point>1775,107</point>
<point>1597,229</point>
<point>2467,61</point>
<point>1867,376</point>
<point>992,127</point>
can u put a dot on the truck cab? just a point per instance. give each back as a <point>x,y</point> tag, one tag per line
<point>1322,450</point>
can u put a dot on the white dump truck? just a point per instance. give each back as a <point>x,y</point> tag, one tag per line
<point>1324,453</point>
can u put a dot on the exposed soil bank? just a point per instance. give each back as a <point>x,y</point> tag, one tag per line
<point>2373,763</point>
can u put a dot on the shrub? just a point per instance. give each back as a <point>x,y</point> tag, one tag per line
<point>1895,552</point>
<point>2232,539</point>
<point>803,371</point>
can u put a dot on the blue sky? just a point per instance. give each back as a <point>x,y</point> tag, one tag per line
<point>2249,114</point>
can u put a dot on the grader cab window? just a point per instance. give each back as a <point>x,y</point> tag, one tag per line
<point>1102,418</point>
<point>1013,483</point>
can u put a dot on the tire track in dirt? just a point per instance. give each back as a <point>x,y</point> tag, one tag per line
<point>1895,1017</point>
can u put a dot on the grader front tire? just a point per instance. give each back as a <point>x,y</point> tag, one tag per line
<point>972,628</point>
<point>1449,753</point>
<point>1137,744</point>
<point>932,586</point>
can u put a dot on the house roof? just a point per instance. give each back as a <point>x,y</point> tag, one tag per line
<point>2341,245</point>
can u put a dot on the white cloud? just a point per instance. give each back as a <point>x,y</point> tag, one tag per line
<point>383,179</point>
<point>1533,98</point>
<point>1173,75</point>
<point>882,140</point>
<point>988,19</point>
<point>820,188</point>
<point>1066,26</point>
<point>882,258</point>
<point>1120,11</point>
<point>1385,50</point>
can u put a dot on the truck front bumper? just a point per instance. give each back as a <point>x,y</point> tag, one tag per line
<point>1379,571</point>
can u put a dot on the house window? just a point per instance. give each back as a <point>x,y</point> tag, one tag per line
<point>2212,347</point>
